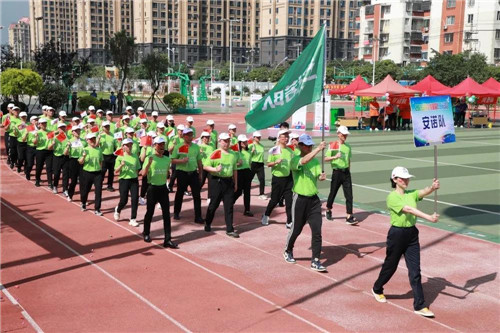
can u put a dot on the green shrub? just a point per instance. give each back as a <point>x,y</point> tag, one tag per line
<point>85,101</point>
<point>174,101</point>
<point>105,104</point>
<point>54,95</point>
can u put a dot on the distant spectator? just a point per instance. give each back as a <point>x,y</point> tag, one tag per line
<point>374,113</point>
<point>74,101</point>
<point>460,111</point>
<point>120,102</point>
<point>129,99</point>
<point>405,114</point>
<point>112,101</point>
<point>93,94</point>
<point>391,111</point>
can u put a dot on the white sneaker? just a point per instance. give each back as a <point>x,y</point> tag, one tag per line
<point>265,220</point>
<point>133,223</point>
<point>461,126</point>
<point>208,201</point>
<point>263,197</point>
<point>116,215</point>
<point>65,193</point>
<point>379,297</point>
<point>69,199</point>
<point>187,194</point>
<point>142,201</point>
<point>371,129</point>
<point>376,129</point>
<point>424,312</point>
<point>159,206</point>
<point>54,190</point>
<point>388,129</point>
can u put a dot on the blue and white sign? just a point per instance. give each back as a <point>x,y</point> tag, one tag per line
<point>432,119</point>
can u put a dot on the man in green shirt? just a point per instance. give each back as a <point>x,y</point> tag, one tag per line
<point>5,118</point>
<point>188,160</point>
<point>154,121</point>
<point>257,163</point>
<point>189,124</point>
<point>29,138</point>
<point>232,134</point>
<point>172,143</point>
<point>91,173</point>
<point>339,155</point>
<point>107,142</point>
<point>22,145</point>
<point>74,150</point>
<point>279,161</point>
<point>13,131</point>
<point>245,175</point>
<point>60,160</point>
<point>43,153</point>
<point>156,169</point>
<point>222,166</point>
<point>206,149</point>
<point>112,125</point>
<point>306,171</point>
<point>213,132</point>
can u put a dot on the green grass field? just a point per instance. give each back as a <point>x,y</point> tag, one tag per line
<point>469,172</point>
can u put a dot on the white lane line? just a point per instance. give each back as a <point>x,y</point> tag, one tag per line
<point>129,289</point>
<point>25,313</point>
<point>427,161</point>
<point>262,298</point>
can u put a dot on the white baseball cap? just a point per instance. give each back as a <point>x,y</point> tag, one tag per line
<point>180,127</point>
<point>91,120</point>
<point>62,114</point>
<point>158,139</point>
<point>257,134</point>
<point>76,128</point>
<point>140,109</point>
<point>306,140</point>
<point>105,123</point>
<point>89,136</point>
<point>204,133</point>
<point>242,137</point>
<point>231,126</point>
<point>43,107</point>
<point>128,108</point>
<point>50,108</point>
<point>126,117</point>
<point>109,112</point>
<point>401,172</point>
<point>23,114</point>
<point>210,122</point>
<point>11,105</point>
<point>189,119</point>
<point>15,107</point>
<point>152,134</point>
<point>343,130</point>
<point>75,119</point>
<point>160,125</point>
<point>33,118</point>
<point>91,107</point>
<point>170,117</point>
<point>129,130</point>
<point>224,136</point>
<point>42,120</point>
<point>154,113</point>
<point>294,136</point>
<point>143,121</point>
<point>99,111</point>
<point>127,141</point>
<point>61,125</point>
<point>283,131</point>
<point>187,130</point>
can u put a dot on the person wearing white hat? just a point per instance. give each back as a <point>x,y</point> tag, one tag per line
<point>127,168</point>
<point>130,133</point>
<point>22,145</point>
<point>206,149</point>
<point>339,155</point>
<point>43,154</point>
<point>60,160</point>
<point>5,120</point>
<point>189,124</point>
<point>155,167</point>
<point>213,133</point>
<point>13,131</point>
<point>91,162</point>
<point>74,150</point>
<point>62,116</point>
<point>402,238</point>
<point>188,160</point>
<point>145,152</point>
<point>112,125</point>
<point>245,175</point>
<point>100,117</point>
<point>29,138</point>
<point>257,162</point>
<point>174,142</point>
<point>232,133</point>
<point>293,143</point>
<point>306,171</point>
<point>282,181</point>
<point>125,122</point>
<point>153,122</point>
<point>222,165</point>
<point>170,123</point>
<point>106,141</point>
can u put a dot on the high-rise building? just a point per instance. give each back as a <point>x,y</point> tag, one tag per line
<point>19,39</point>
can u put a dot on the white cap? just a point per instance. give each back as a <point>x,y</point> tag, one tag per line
<point>306,140</point>
<point>50,108</point>
<point>343,130</point>
<point>62,114</point>
<point>257,133</point>
<point>99,111</point>
<point>160,125</point>
<point>11,105</point>
<point>15,107</point>
<point>33,118</point>
<point>154,114</point>
<point>401,172</point>
<point>170,117</point>
<point>127,141</point>
<point>43,107</point>
<point>129,130</point>
<point>61,125</point>
<point>109,112</point>
<point>91,120</point>
<point>210,122</point>
<point>158,139</point>
<point>152,134</point>
<point>242,137</point>
<point>128,108</point>
<point>42,120</point>
<point>143,121</point>
<point>204,133</point>
<point>23,114</point>
<point>180,127</point>
<point>126,117</point>
<point>91,107</point>
<point>187,130</point>
<point>105,123</point>
<point>76,128</point>
<point>231,126</point>
<point>189,119</point>
<point>283,131</point>
<point>294,136</point>
<point>224,136</point>
<point>75,119</point>
<point>140,109</point>
<point>89,136</point>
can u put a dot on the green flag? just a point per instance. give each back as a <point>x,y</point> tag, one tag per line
<point>301,85</point>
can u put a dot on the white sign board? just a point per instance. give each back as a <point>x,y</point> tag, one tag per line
<point>223,96</point>
<point>299,119</point>
<point>318,114</point>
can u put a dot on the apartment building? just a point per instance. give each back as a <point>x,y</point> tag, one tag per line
<point>19,39</point>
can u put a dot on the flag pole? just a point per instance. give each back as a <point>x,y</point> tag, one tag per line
<point>435,176</point>
<point>324,100</point>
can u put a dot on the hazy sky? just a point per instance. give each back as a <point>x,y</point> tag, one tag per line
<point>11,11</point>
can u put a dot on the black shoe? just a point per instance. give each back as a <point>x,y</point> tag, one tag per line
<point>233,234</point>
<point>248,213</point>
<point>110,189</point>
<point>177,217</point>
<point>19,170</point>
<point>199,221</point>
<point>169,244</point>
<point>147,238</point>
<point>37,184</point>
<point>208,228</point>
<point>351,220</point>
<point>281,204</point>
<point>329,215</point>
<point>12,166</point>
<point>28,177</point>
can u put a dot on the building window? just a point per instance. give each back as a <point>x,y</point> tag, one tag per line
<point>470,18</point>
<point>451,3</point>
<point>497,54</point>
<point>450,20</point>
<point>448,38</point>
<point>497,34</point>
<point>498,16</point>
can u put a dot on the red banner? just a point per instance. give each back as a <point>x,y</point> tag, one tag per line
<point>400,101</point>
<point>487,100</point>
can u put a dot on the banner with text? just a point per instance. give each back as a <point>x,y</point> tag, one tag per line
<point>318,114</point>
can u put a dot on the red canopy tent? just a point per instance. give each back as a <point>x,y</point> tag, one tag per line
<point>387,87</point>
<point>357,84</point>
<point>468,87</point>
<point>491,83</point>
<point>429,85</point>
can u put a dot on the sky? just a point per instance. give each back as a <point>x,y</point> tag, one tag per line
<point>10,12</point>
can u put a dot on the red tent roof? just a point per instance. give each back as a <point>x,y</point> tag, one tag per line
<point>357,84</point>
<point>429,85</point>
<point>468,87</point>
<point>491,83</point>
<point>387,86</point>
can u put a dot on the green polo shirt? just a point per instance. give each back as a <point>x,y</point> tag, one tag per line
<point>76,148</point>
<point>14,126</point>
<point>152,125</point>
<point>157,173</point>
<point>227,159</point>
<point>194,131</point>
<point>214,136</point>
<point>107,143</point>
<point>245,157</point>
<point>258,155</point>
<point>43,141</point>
<point>396,202</point>
<point>281,169</point>
<point>31,138</point>
<point>51,127</point>
<point>193,154</point>
<point>21,132</point>
<point>343,161</point>
<point>131,167</point>
<point>59,146</point>
<point>93,160</point>
<point>175,141</point>
<point>234,140</point>
<point>305,177</point>
<point>206,151</point>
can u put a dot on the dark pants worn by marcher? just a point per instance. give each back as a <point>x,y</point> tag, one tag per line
<point>158,194</point>
<point>74,171</point>
<point>173,176</point>
<point>13,150</point>
<point>127,186</point>
<point>281,187</point>
<point>60,164</point>
<point>30,161</point>
<point>244,186</point>
<point>86,180</point>
<point>6,137</point>
<point>258,169</point>
<point>185,179</point>
<point>341,177</point>
<point>402,241</point>
<point>144,187</point>
<point>108,165</point>
<point>44,157</point>
<point>222,190</point>
<point>22,149</point>
<point>373,122</point>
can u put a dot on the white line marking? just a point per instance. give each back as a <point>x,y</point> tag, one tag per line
<point>132,291</point>
<point>23,312</point>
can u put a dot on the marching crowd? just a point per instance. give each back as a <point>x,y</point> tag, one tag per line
<point>149,156</point>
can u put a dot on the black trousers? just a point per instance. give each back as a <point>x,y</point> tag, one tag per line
<point>185,179</point>
<point>204,176</point>
<point>306,210</point>
<point>405,124</point>
<point>222,190</point>
<point>44,156</point>
<point>460,119</point>
<point>244,185</point>
<point>158,194</point>
<point>30,161</point>
<point>86,181</point>
<point>22,148</point>
<point>144,186</point>
<point>13,150</point>
<point>373,122</point>
<point>258,169</point>
<point>281,187</point>
<point>74,172</point>
<point>108,165</point>
<point>341,177</point>
<point>6,137</point>
<point>173,176</point>
<point>60,164</point>
<point>403,241</point>
<point>391,123</point>
<point>126,186</point>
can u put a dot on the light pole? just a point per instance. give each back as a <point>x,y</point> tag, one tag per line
<point>1,65</point>
<point>282,61</point>
<point>211,71</point>
<point>374,40</point>
<point>37,40</point>
<point>230,56</point>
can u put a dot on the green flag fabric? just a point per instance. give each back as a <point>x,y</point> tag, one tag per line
<point>301,85</point>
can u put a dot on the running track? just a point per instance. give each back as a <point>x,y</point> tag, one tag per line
<point>72,271</point>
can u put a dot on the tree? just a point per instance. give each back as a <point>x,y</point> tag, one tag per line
<point>174,101</point>
<point>16,82</point>
<point>122,49</point>
<point>9,60</point>
<point>260,74</point>
<point>155,66</point>
<point>53,94</point>
<point>200,68</point>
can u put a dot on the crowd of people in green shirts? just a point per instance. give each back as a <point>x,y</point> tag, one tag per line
<point>94,148</point>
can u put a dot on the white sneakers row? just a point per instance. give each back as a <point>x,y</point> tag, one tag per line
<point>132,222</point>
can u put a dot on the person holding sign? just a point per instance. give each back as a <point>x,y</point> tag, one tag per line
<point>13,130</point>
<point>22,145</point>
<point>59,160</point>
<point>339,155</point>
<point>206,149</point>
<point>43,153</point>
<point>257,165</point>
<point>91,160</point>
<point>306,170</point>
<point>244,174</point>
<point>106,141</point>
<point>402,238</point>
<point>74,149</point>
<point>29,138</point>
<point>222,166</point>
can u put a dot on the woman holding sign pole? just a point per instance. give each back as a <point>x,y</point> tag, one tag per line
<point>402,238</point>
